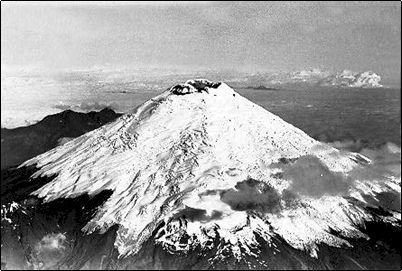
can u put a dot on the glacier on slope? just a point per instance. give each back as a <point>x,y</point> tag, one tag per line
<point>203,150</point>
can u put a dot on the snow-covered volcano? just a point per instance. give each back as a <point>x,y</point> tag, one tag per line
<point>200,166</point>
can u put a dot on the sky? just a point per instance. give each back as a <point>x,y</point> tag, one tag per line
<point>243,36</point>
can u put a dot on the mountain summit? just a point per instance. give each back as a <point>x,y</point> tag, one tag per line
<point>201,167</point>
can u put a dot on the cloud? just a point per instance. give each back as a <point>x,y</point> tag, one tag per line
<point>252,195</point>
<point>193,214</point>
<point>385,158</point>
<point>52,241</point>
<point>49,250</point>
<point>341,140</point>
<point>386,162</point>
<point>311,177</point>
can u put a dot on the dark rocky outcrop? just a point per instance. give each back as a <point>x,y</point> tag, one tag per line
<point>192,86</point>
<point>23,143</point>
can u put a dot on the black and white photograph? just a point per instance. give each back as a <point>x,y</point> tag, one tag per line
<point>200,135</point>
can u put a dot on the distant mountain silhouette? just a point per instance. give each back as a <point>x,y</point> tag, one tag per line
<point>23,143</point>
<point>261,87</point>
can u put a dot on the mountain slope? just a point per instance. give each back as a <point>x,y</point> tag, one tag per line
<point>199,166</point>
